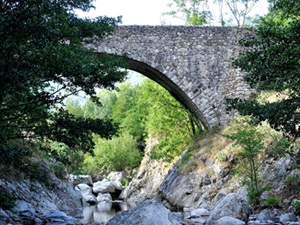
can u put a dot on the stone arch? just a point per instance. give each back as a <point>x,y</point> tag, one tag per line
<point>193,63</point>
<point>165,82</point>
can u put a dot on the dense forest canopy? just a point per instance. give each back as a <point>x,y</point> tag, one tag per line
<point>43,61</point>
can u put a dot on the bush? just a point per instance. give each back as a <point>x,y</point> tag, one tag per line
<point>271,202</point>
<point>293,183</point>
<point>296,205</point>
<point>69,159</point>
<point>221,156</point>
<point>7,201</point>
<point>279,147</point>
<point>90,165</point>
<point>118,153</point>
<point>251,142</point>
<point>125,182</point>
<point>35,171</point>
<point>13,155</point>
<point>59,170</point>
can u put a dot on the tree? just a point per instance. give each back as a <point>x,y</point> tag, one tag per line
<point>167,120</point>
<point>251,142</point>
<point>202,12</point>
<point>271,63</point>
<point>43,61</point>
<point>239,10</point>
<point>128,112</point>
<point>193,12</point>
<point>141,111</point>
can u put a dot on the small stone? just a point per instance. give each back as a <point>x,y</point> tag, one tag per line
<point>228,220</point>
<point>200,212</point>
<point>38,220</point>
<point>288,217</point>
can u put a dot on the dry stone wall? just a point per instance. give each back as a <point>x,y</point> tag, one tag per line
<point>193,63</point>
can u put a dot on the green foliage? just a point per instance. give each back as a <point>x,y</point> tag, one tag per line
<point>297,159</point>
<point>129,111</point>
<point>280,147</point>
<point>76,132</point>
<point>272,63</point>
<point>103,110</point>
<point>140,111</point>
<point>221,156</point>
<point>90,165</point>
<point>202,12</point>
<point>193,12</point>
<point>125,182</point>
<point>37,171</point>
<point>293,184</point>
<point>115,154</point>
<point>7,201</point>
<point>148,109</point>
<point>43,61</point>
<point>67,159</point>
<point>167,120</point>
<point>59,170</point>
<point>167,149</point>
<point>271,202</point>
<point>296,205</point>
<point>14,155</point>
<point>251,142</point>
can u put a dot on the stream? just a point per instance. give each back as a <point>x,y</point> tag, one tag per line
<point>102,212</point>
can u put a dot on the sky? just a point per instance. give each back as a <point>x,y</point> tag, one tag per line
<point>133,12</point>
<point>144,12</point>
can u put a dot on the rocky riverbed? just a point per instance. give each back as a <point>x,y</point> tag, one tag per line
<point>158,194</point>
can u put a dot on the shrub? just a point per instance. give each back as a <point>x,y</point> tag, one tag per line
<point>35,171</point>
<point>14,155</point>
<point>296,205</point>
<point>221,156</point>
<point>59,170</point>
<point>271,202</point>
<point>293,183</point>
<point>251,142</point>
<point>90,165</point>
<point>118,153</point>
<point>69,159</point>
<point>125,182</point>
<point>279,147</point>
<point>7,201</point>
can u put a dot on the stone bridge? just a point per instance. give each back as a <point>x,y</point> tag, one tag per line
<point>193,63</point>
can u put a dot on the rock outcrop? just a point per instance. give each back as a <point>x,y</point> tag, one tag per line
<point>232,205</point>
<point>149,212</point>
<point>35,200</point>
<point>146,182</point>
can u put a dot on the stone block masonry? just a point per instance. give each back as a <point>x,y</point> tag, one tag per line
<point>193,63</point>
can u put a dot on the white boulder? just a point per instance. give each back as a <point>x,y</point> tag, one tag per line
<point>104,197</point>
<point>80,179</point>
<point>104,186</point>
<point>87,194</point>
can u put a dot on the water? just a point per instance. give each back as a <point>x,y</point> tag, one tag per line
<point>102,212</point>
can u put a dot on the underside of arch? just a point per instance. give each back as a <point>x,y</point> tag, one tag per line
<point>165,82</point>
